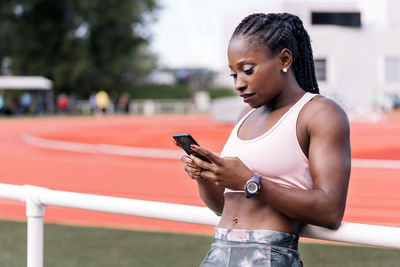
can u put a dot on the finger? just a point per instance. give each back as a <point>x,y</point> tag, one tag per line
<point>189,162</point>
<point>186,159</point>
<point>196,175</point>
<point>201,163</point>
<point>192,170</point>
<point>204,152</point>
<point>208,175</point>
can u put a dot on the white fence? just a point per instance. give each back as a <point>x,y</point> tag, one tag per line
<point>146,107</point>
<point>37,198</point>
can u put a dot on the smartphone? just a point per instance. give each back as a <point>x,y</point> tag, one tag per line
<point>184,141</point>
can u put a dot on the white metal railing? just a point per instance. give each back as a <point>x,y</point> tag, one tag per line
<point>146,107</point>
<point>37,198</point>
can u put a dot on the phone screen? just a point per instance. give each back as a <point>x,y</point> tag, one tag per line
<point>184,141</point>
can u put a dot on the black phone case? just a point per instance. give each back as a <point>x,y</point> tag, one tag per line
<point>184,141</point>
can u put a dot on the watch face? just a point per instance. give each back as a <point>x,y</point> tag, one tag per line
<point>252,187</point>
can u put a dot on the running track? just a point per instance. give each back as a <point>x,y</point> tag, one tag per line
<point>373,193</point>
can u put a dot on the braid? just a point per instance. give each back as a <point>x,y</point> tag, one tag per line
<point>240,29</point>
<point>278,31</point>
<point>305,69</point>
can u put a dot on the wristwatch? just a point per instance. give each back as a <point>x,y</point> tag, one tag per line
<point>253,185</point>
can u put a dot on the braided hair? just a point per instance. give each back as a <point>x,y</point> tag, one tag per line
<point>278,31</point>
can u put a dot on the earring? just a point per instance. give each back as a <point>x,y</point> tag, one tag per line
<point>284,70</point>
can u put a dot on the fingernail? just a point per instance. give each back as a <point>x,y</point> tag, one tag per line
<point>192,146</point>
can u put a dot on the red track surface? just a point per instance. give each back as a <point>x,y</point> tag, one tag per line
<point>373,194</point>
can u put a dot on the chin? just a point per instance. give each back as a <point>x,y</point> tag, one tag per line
<point>254,105</point>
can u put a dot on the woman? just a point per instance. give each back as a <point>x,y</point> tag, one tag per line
<point>287,161</point>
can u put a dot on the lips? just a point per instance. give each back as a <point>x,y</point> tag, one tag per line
<point>247,97</point>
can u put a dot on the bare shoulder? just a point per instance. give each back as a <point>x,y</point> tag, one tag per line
<point>324,114</point>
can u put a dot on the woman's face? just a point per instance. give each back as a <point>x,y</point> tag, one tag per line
<point>256,73</point>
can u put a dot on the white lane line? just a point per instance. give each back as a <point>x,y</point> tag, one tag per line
<point>140,152</point>
<point>102,148</point>
<point>165,153</point>
<point>59,145</point>
<point>375,164</point>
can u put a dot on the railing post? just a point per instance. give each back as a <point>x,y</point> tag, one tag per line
<point>35,212</point>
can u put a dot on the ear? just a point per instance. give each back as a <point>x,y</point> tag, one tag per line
<point>285,58</point>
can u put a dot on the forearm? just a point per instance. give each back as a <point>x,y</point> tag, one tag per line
<point>308,206</point>
<point>212,195</point>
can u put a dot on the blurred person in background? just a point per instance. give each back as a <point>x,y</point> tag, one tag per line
<point>287,160</point>
<point>124,102</point>
<point>72,102</point>
<point>62,103</point>
<point>15,107</point>
<point>40,104</point>
<point>25,102</point>
<point>102,101</point>
<point>1,104</point>
<point>92,102</point>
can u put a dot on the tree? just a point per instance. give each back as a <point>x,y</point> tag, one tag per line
<point>82,46</point>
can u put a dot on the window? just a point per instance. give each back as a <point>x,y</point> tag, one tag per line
<point>392,69</point>
<point>347,19</point>
<point>320,69</point>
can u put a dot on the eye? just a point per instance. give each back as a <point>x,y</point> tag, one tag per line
<point>234,75</point>
<point>249,71</point>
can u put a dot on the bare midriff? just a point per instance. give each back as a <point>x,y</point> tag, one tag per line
<point>253,214</point>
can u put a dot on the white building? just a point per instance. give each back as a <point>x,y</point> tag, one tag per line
<point>358,62</point>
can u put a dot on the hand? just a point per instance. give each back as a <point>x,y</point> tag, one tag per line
<point>191,168</point>
<point>229,172</point>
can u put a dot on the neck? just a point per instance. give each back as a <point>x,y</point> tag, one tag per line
<point>289,94</point>
<point>286,98</point>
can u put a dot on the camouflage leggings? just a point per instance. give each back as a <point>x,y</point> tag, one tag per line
<point>237,247</point>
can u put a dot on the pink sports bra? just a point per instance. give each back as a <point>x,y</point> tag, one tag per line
<point>276,155</point>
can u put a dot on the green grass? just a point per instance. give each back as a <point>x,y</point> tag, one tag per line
<point>148,91</point>
<point>347,256</point>
<point>221,92</point>
<point>172,92</point>
<point>71,246</point>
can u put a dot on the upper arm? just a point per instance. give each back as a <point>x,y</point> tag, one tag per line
<point>329,151</point>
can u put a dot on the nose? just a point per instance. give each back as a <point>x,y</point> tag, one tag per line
<point>240,84</point>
